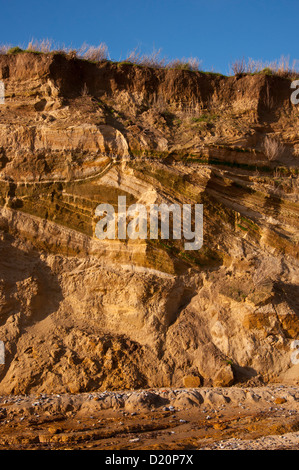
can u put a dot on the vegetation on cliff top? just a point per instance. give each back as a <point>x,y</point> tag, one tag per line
<point>280,67</point>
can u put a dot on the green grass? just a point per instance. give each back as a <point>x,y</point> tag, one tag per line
<point>204,118</point>
<point>210,161</point>
<point>250,223</point>
<point>15,50</point>
<point>242,228</point>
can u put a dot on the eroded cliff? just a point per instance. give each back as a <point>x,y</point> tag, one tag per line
<point>80,314</point>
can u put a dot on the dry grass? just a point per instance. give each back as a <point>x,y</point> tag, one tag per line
<point>156,60</point>
<point>4,48</point>
<point>153,59</point>
<point>44,45</point>
<point>267,271</point>
<point>273,148</point>
<point>84,91</point>
<point>281,67</point>
<point>191,63</point>
<point>238,66</point>
<point>93,53</point>
<point>100,53</point>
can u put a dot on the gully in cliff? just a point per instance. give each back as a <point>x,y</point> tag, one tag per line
<point>183,218</point>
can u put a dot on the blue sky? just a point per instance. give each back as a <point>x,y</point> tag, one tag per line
<point>215,31</point>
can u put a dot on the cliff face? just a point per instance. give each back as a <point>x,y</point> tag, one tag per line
<point>78,313</point>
